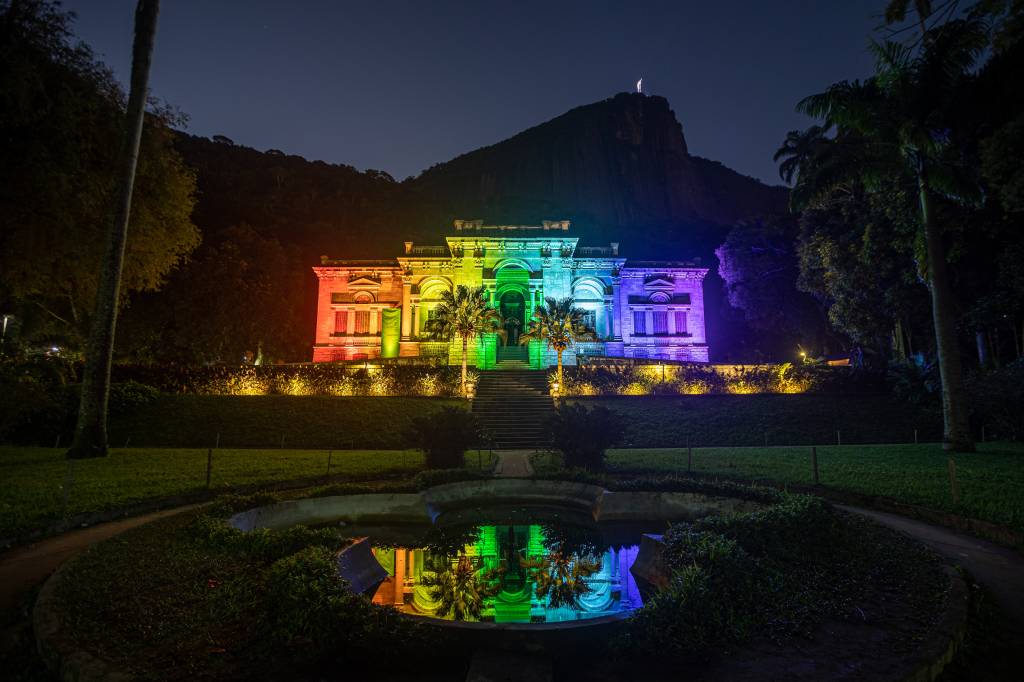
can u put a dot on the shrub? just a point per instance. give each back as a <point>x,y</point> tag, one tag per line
<point>998,400</point>
<point>584,435</point>
<point>711,600</point>
<point>34,403</point>
<point>798,528</point>
<point>310,604</point>
<point>129,396</point>
<point>444,437</point>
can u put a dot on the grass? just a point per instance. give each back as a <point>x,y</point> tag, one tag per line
<point>732,420</point>
<point>991,480</point>
<point>32,496</point>
<point>261,421</point>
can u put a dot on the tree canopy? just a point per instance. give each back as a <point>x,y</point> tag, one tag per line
<point>62,116</point>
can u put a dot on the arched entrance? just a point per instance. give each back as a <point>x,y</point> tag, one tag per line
<point>512,306</point>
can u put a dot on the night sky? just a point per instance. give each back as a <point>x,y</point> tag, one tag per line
<point>400,86</point>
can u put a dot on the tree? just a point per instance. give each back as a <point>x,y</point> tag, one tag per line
<point>91,430</point>
<point>759,266</point>
<point>460,590</point>
<point>895,125</point>
<point>61,116</point>
<point>464,314</point>
<point>855,250</point>
<point>559,324</point>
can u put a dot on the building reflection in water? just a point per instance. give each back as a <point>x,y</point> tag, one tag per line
<point>499,573</point>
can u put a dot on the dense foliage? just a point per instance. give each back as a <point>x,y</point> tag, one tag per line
<point>444,436</point>
<point>584,434</point>
<point>776,572</point>
<point>61,116</point>
<point>700,379</point>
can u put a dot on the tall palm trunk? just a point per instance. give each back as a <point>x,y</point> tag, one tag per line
<point>957,436</point>
<point>91,430</point>
<point>560,351</point>
<point>465,349</point>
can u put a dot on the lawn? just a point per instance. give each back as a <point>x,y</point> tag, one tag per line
<point>991,480</point>
<point>746,420</point>
<point>32,495</point>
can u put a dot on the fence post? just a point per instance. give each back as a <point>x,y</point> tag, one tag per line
<point>209,466</point>
<point>217,444</point>
<point>766,439</point>
<point>330,453</point>
<point>814,462</point>
<point>915,436</point>
<point>839,437</point>
<point>282,441</point>
<point>983,434</point>
<point>56,445</point>
<point>954,487</point>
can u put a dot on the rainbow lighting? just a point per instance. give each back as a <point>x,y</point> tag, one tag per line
<point>369,309</point>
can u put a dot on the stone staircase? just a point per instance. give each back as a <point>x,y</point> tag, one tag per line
<point>512,357</point>
<point>512,406</point>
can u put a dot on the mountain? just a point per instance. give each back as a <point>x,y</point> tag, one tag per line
<point>619,168</point>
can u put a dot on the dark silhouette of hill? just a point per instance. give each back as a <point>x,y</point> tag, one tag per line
<point>616,166</point>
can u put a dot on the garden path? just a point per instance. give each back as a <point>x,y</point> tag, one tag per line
<point>513,464</point>
<point>23,568</point>
<point>999,569</point>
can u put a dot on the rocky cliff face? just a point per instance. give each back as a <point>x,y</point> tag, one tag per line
<point>615,164</point>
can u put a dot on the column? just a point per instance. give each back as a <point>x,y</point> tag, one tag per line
<point>406,310</point>
<point>399,576</point>
<point>374,315</point>
<point>350,327</point>
<point>618,308</point>
<point>671,321</point>
<point>416,317</point>
<point>609,320</point>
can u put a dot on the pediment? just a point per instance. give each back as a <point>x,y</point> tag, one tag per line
<point>363,283</point>
<point>659,283</point>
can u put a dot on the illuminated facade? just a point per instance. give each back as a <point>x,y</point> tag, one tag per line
<point>368,309</point>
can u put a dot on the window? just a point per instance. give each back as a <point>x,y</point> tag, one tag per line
<point>362,321</point>
<point>681,323</point>
<point>340,322</point>
<point>639,323</point>
<point>590,320</point>
<point>337,298</point>
<point>660,318</point>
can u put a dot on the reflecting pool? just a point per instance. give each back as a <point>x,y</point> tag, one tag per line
<point>510,573</point>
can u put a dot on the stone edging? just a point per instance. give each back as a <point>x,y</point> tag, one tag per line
<point>936,652</point>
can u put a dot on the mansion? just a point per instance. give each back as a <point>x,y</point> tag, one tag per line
<point>370,309</point>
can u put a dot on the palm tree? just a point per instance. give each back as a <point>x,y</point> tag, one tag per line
<point>892,126</point>
<point>460,590</point>
<point>560,325</point>
<point>464,314</point>
<point>561,576</point>
<point>799,150</point>
<point>91,429</point>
